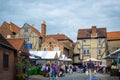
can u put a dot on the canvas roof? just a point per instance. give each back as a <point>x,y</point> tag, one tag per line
<point>46,54</point>
<point>92,59</point>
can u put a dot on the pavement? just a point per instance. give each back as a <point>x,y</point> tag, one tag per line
<point>78,76</point>
<point>106,76</point>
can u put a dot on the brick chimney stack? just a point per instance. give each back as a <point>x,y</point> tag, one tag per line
<point>43,27</point>
<point>94,31</point>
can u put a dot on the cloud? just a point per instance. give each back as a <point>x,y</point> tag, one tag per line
<point>62,16</point>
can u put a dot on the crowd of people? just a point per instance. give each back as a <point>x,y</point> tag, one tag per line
<point>53,70</point>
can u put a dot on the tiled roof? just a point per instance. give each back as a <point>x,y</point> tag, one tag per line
<point>113,35</point>
<point>86,33</point>
<point>18,44</point>
<point>35,30</point>
<point>60,37</point>
<point>4,42</point>
<point>12,27</point>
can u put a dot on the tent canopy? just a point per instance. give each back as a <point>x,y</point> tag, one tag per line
<point>46,54</point>
<point>92,59</point>
<point>64,58</point>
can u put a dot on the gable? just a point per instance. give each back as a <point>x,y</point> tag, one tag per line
<point>26,31</point>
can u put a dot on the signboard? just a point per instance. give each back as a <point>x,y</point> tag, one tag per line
<point>28,46</point>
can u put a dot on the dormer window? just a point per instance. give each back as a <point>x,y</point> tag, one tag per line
<point>9,36</point>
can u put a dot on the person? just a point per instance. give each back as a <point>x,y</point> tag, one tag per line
<point>44,70</point>
<point>90,65</point>
<point>66,68</point>
<point>55,68</point>
<point>38,68</point>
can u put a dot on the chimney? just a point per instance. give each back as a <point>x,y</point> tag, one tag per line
<point>94,31</point>
<point>43,27</point>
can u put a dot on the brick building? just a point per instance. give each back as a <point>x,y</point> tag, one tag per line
<point>7,60</point>
<point>66,42</point>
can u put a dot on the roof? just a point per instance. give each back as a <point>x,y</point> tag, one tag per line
<point>18,44</point>
<point>113,35</point>
<point>4,42</point>
<point>49,38</point>
<point>33,28</point>
<point>12,27</point>
<point>59,37</point>
<point>74,44</point>
<point>86,33</point>
<point>46,54</point>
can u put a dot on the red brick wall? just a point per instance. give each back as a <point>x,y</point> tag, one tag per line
<point>7,74</point>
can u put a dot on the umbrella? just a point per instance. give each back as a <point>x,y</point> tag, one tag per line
<point>92,59</point>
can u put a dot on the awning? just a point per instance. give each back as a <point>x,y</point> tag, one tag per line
<point>47,54</point>
<point>32,56</point>
<point>113,55</point>
<point>91,59</point>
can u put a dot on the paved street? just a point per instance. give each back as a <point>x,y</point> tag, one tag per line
<point>76,76</point>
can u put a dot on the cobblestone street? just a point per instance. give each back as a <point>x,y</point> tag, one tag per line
<point>77,76</point>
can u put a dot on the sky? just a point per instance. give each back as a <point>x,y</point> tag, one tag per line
<point>62,16</point>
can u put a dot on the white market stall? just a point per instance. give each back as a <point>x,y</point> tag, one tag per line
<point>45,56</point>
<point>91,59</point>
<point>64,58</point>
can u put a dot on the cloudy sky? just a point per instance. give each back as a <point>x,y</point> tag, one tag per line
<point>62,16</point>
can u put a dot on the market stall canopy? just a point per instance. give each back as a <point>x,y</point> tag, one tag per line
<point>47,54</point>
<point>32,56</point>
<point>113,55</point>
<point>91,59</point>
<point>64,58</point>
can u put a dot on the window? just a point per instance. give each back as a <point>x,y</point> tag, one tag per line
<point>78,58</point>
<point>84,41</point>
<point>99,51</point>
<point>27,40</point>
<point>99,41</point>
<point>86,52</point>
<point>5,61</point>
<point>25,30</point>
